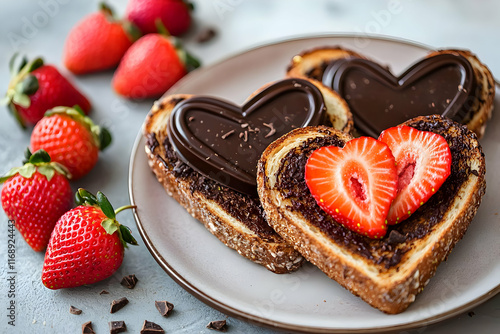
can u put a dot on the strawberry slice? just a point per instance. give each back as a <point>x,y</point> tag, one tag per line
<point>423,163</point>
<point>355,184</point>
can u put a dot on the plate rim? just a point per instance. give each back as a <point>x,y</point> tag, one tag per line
<point>234,312</point>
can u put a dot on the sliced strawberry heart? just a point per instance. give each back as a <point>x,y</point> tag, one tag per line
<point>355,184</point>
<point>423,163</point>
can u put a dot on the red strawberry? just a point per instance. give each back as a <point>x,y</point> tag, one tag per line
<point>423,163</point>
<point>87,244</point>
<point>150,67</point>
<point>98,42</point>
<point>355,184</point>
<point>71,138</point>
<point>35,196</point>
<point>35,88</point>
<point>174,14</point>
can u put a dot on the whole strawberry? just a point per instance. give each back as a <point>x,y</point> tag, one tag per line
<point>71,138</point>
<point>98,42</point>
<point>34,196</point>
<point>87,244</point>
<point>174,14</point>
<point>34,88</point>
<point>151,66</point>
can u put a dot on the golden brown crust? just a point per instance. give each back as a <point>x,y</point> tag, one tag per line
<point>309,63</point>
<point>390,290</point>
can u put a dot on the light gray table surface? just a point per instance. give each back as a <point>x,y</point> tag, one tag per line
<point>39,28</point>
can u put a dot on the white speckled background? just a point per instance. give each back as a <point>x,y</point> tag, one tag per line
<point>39,28</point>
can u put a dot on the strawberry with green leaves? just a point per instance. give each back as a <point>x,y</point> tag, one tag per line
<point>98,42</point>
<point>355,184</point>
<point>35,88</point>
<point>71,138</point>
<point>34,196</point>
<point>174,14</point>
<point>87,244</point>
<point>151,66</point>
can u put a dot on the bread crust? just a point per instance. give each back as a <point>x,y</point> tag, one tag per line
<point>312,63</point>
<point>393,289</point>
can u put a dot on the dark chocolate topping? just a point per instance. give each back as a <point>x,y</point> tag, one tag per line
<point>389,250</point>
<point>443,84</point>
<point>224,141</point>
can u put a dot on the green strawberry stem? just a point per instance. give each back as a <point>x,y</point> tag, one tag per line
<point>125,207</point>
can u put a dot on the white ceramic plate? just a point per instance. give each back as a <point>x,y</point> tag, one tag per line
<point>306,300</point>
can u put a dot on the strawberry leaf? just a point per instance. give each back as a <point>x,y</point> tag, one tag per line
<point>12,64</point>
<point>79,199</point>
<point>127,235</point>
<point>87,197</point>
<point>10,173</point>
<point>47,171</point>
<point>34,64</point>
<point>29,85</point>
<point>21,99</point>
<point>13,111</point>
<point>191,62</point>
<point>105,205</point>
<point>39,157</point>
<point>104,138</point>
<point>27,170</point>
<point>79,109</point>
<point>110,225</point>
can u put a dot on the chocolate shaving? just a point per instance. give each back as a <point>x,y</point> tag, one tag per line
<point>227,134</point>
<point>475,172</point>
<point>129,281</point>
<point>151,328</point>
<point>104,292</point>
<point>118,304</point>
<point>220,325</point>
<point>117,327</point>
<point>206,35</point>
<point>191,118</point>
<point>164,307</point>
<point>74,310</point>
<point>87,328</point>
<point>395,237</point>
<point>272,130</point>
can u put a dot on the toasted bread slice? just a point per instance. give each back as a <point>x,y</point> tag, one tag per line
<point>235,218</point>
<point>312,64</point>
<point>386,273</point>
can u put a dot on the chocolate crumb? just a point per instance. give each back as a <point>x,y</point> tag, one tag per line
<point>164,307</point>
<point>151,328</point>
<point>87,328</point>
<point>220,325</point>
<point>206,35</point>
<point>118,304</point>
<point>471,314</point>
<point>191,118</point>
<point>117,327</point>
<point>129,281</point>
<point>227,134</point>
<point>74,310</point>
<point>395,238</point>
<point>272,130</point>
<point>104,292</point>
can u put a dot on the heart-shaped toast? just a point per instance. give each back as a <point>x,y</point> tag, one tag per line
<point>224,141</point>
<point>450,83</point>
